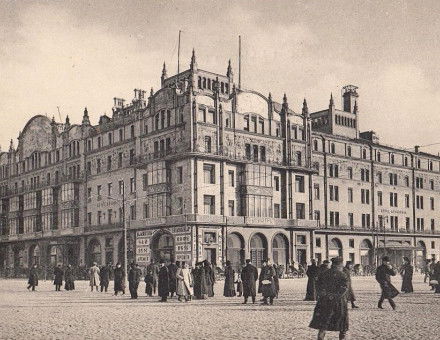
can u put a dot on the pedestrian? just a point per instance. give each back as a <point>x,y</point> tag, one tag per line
<point>133,280</point>
<point>312,274</point>
<point>200,289</point>
<point>163,281</point>
<point>239,283</point>
<point>94,276</point>
<point>331,312</point>
<point>104,277</point>
<point>321,270</point>
<point>209,277</point>
<point>276,280</point>
<point>350,293</point>
<point>172,269</point>
<point>407,271</point>
<point>431,273</point>
<point>184,283</point>
<point>119,279</point>
<point>249,277</point>
<point>426,270</point>
<point>58,274</point>
<point>267,282</point>
<point>383,276</point>
<point>229,288</point>
<point>151,273</point>
<point>33,278</point>
<point>69,278</point>
<point>436,277</point>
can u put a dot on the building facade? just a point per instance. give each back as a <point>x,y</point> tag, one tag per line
<point>203,169</point>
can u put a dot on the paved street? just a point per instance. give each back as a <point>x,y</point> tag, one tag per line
<point>47,314</point>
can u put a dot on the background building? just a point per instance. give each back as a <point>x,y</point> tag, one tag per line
<point>204,169</point>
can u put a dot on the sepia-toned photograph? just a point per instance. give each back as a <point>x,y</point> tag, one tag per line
<point>218,169</point>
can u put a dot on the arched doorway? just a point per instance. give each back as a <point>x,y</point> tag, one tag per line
<point>94,252</point>
<point>420,254</point>
<point>335,248</point>
<point>258,249</point>
<point>366,252</point>
<point>235,253</point>
<point>280,250</point>
<point>34,255</point>
<point>162,247</point>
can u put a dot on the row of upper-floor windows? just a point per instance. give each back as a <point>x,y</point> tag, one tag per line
<point>210,84</point>
<point>390,158</point>
<point>333,171</point>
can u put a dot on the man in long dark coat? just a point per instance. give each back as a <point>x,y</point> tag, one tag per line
<point>209,278</point>
<point>312,274</point>
<point>325,265</point>
<point>229,289</point>
<point>267,282</point>
<point>436,276</point>
<point>172,269</point>
<point>249,277</point>
<point>163,282</point>
<point>69,278</point>
<point>58,277</point>
<point>133,280</point>
<point>331,312</point>
<point>33,278</point>
<point>276,280</point>
<point>200,290</point>
<point>104,276</point>
<point>407,274</point>
<point>350,293</point>
<point>383,276</point>
<point>119,277</point>
<point>151,273</point>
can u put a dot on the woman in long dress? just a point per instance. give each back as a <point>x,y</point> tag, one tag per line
<point>229,289</point>
<point>184,283</point>
<point>407,274</point>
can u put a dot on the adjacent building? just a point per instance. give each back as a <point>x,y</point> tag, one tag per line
<point>204,169</point>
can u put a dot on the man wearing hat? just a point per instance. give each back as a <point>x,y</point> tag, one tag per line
<point>325,265</point>
<point>383,276</point>
<point>267,282</point>
<point>134,275</point>
<point>249,277</point>
<point>331,312</point>
<point>163,281</point>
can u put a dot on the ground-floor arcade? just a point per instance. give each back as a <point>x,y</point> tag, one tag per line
<point>192,243</point>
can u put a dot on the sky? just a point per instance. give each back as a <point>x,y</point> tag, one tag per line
<point>76,54</point>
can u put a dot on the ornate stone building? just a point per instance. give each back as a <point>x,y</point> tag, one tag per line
<point>202,169</point>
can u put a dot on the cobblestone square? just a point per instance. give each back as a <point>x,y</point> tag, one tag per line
<point>81,314</point>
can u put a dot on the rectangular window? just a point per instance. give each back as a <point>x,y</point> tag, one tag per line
<point>121,187</point>
<point>300,211</point>
<point>99,217</point>
<point>231,207</point>
<point>350,219</point>
<point>231,178</point>
<point>379,198</point>
<point>277,183</point>
<point>350,195</point>
<point>132,212</point>
<point>180,205</point>
<point>406,201</point>
<point>98,166</point>
<point>98,192</point>
<point>209,204</point>
<point>179,176</point>
<point>316,191</point>
<point>109,189</point>
<point>109,163</point>
<point>209,173</point>
<point>432,203</point>
<point>350,173</point>
<point>334,193</point>
<point>144,181</point>
<point>276,210</point>
<point>299,183</point>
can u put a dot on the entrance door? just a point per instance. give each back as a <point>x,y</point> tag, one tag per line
<point>210,255</point>
<point>258,249</point>
<point>301,255</point>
